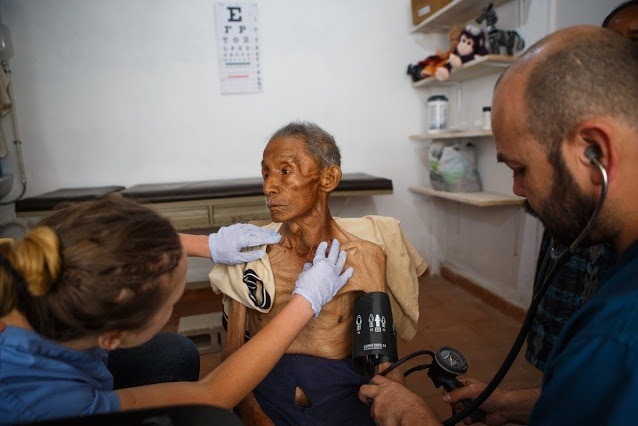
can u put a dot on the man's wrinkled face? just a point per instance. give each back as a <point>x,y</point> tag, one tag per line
<point>291,177</point>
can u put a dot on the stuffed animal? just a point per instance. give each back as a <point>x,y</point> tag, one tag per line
<point>510,40</point>
<point>427,67</point>
<point>470,45</point>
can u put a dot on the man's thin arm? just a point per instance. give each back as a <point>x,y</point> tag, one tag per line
<point>248,408</point>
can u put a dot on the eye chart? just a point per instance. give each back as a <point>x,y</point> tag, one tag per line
<point>238,47</point>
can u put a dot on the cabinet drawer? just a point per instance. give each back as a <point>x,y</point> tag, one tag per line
<point>243,213</point>
<point>186,217</point>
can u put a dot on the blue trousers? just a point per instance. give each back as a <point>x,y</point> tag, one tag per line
<point>332,387</point>
<point>167,357</point>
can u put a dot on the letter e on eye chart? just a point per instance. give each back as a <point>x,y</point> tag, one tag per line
<point>238,47</point>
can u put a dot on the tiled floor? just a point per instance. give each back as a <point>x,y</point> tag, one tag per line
<point>449,317</point>
<point>452,317</point>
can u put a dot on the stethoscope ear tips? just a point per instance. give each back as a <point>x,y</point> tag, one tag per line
<point>593,154</point>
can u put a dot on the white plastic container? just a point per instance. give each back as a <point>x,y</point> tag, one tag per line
<point>437,113</point>
<point>486,118</point>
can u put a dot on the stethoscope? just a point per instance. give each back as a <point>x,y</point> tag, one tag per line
<point>452,363</point>
<point>558,258</point>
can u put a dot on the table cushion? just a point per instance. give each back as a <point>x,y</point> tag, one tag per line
<point>229,188</point>
<point>185,191</point>
<point>50,200</point>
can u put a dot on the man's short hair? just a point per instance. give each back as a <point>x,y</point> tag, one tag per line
<point>592,75</point>
<point>320,143</point>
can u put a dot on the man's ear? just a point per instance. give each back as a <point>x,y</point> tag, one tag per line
<point>110,340</point>
<point>597,136</point>
<point>330,178</point>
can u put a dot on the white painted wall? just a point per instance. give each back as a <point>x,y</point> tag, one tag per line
<point>127,91</point>
<point>574,12</point>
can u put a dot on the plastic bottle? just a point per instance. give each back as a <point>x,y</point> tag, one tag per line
<point>437,113</point>
<point>486,118</point>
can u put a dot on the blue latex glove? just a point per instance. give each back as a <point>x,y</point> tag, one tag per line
<point>322,279</point>
<point>226,245</point>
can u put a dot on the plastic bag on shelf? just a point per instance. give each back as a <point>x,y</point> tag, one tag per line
<point>434,156</point>
<point>453,168</point>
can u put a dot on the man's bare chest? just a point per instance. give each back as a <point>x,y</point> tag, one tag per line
<point>286,266</point>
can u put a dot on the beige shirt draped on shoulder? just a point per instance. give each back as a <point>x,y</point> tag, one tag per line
<point>403,267</point>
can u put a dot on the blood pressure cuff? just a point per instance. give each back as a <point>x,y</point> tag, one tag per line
<point>374,339</point>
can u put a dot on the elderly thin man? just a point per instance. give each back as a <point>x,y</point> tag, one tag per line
<point>315,381</point>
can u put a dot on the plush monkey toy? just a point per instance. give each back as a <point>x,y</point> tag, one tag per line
<point>471,44</point>
<point>427,67</point>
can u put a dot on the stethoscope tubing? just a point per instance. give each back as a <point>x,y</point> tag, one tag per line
<point>558,259</point>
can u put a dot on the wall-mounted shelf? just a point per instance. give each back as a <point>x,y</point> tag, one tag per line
<point>478,199</point>
<point>452,134</point>
<point>458,12</point>
<point>479,67</point>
